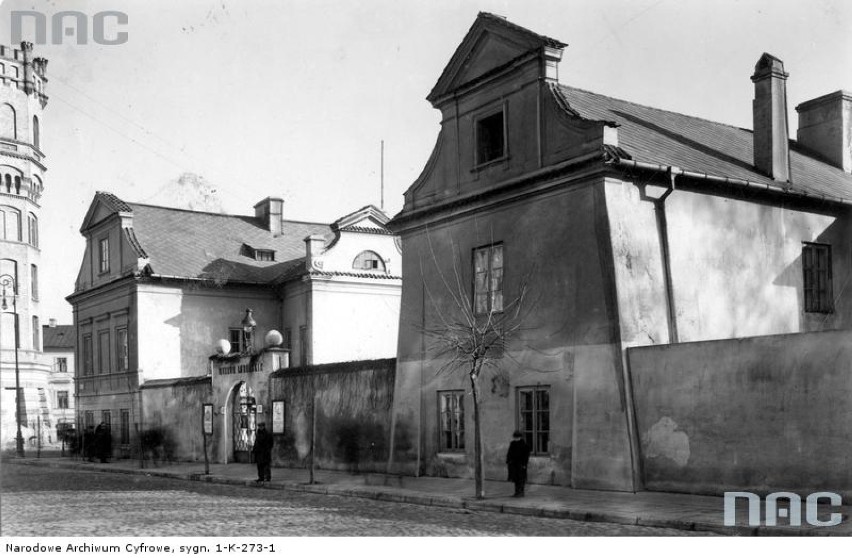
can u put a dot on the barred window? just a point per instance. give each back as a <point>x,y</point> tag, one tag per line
<point>451,405</point>
<point>816,269</point>
<point>62,399</point>
<point>534,418</point>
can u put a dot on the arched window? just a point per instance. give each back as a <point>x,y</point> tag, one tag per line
<point>36,133</point>
<point>8,183</point>
<point>8,121</point>
<point>11,223</point>
<point>32,229</point>
<point>18,185</point>
<point>369,260</point>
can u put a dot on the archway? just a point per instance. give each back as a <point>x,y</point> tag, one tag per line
<point>242,411</point>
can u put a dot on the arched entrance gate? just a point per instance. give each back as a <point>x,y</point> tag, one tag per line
<point>243,421</point>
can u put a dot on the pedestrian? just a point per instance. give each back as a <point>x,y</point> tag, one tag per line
<point>262,451</point>
<point>103,442</point>
<point>516,461</point>
<point>89,443</point>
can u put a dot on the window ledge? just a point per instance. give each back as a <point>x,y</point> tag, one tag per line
<point>480,166</point>
<point>455,456</point>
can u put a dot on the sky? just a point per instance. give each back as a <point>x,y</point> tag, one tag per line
<point>244,99</point>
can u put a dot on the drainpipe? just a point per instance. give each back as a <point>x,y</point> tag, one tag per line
<point>663,229</point>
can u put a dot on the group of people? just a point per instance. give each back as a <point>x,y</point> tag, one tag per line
<point>97,443</point>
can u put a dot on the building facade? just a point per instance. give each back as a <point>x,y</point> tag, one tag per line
<point>160,290</point>
<point>623,226</point>
<point>58,354</point>
<point>22,169</point>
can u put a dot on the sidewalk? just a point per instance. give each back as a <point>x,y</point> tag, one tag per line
<point>653,509</point>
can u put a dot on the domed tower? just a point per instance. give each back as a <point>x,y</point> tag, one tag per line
<point>22,100</point>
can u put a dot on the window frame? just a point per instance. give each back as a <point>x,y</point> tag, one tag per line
<point>104,334</point>
<point>502,109</point>
<point>532,436</point>
<point>815,301</point>
<point>62,400</point>
<point>62,364</point>
<point>103,255</point>
<point>489,273</point>
<point>358,263</point>
<point>122,350</point>
<point>124,426</point>
<point>87,355</point>
<point>34,281</point>
<point>456,422</point>
<point>239,334</point>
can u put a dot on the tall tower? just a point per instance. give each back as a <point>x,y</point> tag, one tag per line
<point>22,99</point>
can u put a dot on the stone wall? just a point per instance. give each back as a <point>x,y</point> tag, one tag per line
<point>763,414</point>
<point>171,419</point>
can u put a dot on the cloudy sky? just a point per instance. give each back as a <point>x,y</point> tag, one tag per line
<point>292,98</point>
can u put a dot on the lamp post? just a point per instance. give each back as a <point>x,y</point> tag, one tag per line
<point>249,326</point>
<point>8,282</point>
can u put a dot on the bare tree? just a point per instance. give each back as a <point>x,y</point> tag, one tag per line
<point>470,341</point>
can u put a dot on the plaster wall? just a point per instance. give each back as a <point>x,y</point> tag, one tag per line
<point>176,410</point>
<point>763,414</point>
<point>735,264</point>
<point>354,320</point>
<point>558,243</point>
<point>183,322</point>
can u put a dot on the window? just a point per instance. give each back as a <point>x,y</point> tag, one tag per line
<point>534,418</point>
<point>237,338</point>
<point>121,352</point>
<point>8,121</point>
<point>18,185</point>
<point>103,352</point>
<point>103,255</point>
<point>36,133</point>
<point>32,230</point>
<point>451,407</point>
<point>36,334</point>
<point>106,418</point>
<point>61,364</point>
<point>88,360</point>
<point>62,399</point>
<point>303,346</point>
<point>368,260</point>
<point>125,427</point>
<point>11,221</point>
<point>264,255</point>
<point>816,268</point>
<point>34,281</point>
<point>488,279</point>
<point>490,138</point>
<point>89,419</point>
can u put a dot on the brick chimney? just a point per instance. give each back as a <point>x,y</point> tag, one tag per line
<point>270,212</point>
<point>825,128</point>
<point>769,108</point>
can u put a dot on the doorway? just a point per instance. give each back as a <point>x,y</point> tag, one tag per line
<point>243,409</point>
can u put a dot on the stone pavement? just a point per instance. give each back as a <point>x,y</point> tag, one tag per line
<point>652,509</point>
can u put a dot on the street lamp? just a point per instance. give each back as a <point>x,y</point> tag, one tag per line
<point>249,326</point>
<point>8,282</point>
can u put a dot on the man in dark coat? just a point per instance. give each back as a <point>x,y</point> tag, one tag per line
<point>516,460</point>
<point>103,442</point>
<point>263,453</point>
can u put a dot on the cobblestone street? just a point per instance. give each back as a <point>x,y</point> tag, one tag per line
<point>53,502</point>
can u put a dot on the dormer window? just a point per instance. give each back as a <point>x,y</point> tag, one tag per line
<point>368,261</point>
<point>264,255</point>
<point>490,137</point>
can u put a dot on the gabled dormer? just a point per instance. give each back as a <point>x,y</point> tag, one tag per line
<point>112,249</point>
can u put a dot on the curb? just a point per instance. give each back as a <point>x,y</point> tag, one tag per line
<point>393,494</point>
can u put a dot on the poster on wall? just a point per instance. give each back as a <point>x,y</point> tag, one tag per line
<point>278,417</point>
<point>207,418</point>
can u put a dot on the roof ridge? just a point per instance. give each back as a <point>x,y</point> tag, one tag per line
<point>658,108</point>
<point>231,215</point>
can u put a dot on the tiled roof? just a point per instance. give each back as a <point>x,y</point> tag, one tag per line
<point>58,337</point>
<point>193,244</point>
<point>666,138</point>
<point>114,202</point>
<point>549,41</point>
<point>363,275</point>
